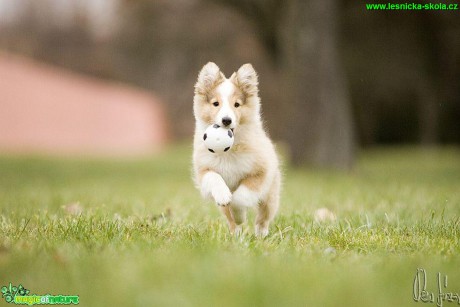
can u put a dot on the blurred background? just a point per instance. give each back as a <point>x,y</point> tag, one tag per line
<point>115,77</point>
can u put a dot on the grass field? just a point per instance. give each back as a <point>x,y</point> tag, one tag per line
<point>145,238</point>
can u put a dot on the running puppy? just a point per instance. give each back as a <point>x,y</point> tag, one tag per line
<point>248,174</point>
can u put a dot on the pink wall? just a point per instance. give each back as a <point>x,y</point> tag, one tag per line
<point>44,109</point>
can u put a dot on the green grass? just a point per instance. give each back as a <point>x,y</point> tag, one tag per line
<point>145,238</point>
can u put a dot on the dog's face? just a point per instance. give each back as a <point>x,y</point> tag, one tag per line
<point>226,102</point>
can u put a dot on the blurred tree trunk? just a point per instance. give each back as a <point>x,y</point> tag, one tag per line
<point>436,88</point>
<point>428,114</point>
<point>319,122</point>
<point>302,36</point>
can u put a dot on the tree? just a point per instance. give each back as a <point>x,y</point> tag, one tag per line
<point>302,38</point>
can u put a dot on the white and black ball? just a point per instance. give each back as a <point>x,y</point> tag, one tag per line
<point>218,139</point>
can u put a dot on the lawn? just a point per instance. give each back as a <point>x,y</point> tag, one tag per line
<point>136,233</point>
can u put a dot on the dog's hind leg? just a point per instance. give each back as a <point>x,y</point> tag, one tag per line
<point>239,218</point>
<point>231,222</point>
<point>267,210</point>
<point>234,224</point>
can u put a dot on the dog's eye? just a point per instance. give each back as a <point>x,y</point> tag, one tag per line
<point>237,104</point>
<point>215,103</point>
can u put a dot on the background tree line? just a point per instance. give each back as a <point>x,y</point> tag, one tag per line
<point>333,75</point>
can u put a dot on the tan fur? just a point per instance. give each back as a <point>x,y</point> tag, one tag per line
<point>255,179</point>
<point>231,222</point>
<point>248,174</point>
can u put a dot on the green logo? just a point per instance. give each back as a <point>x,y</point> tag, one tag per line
<point>20,295</point>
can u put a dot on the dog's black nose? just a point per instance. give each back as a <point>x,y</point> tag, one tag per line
<point>226,121</point>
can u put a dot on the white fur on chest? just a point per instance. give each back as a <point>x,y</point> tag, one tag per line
<point>232,166</point>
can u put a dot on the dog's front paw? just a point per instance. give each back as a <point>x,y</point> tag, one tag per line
<point>222,195</point>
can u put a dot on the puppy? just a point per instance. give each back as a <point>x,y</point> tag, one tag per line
<point>248,175</point>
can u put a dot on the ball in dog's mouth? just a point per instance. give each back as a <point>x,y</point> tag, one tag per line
<point>218,139</point>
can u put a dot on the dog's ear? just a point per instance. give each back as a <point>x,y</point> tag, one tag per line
<point>208,78</point>
<point>246,79</point>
